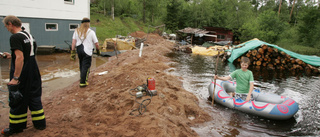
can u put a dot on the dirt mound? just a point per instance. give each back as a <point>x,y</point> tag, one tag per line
<point>103,108</point>
<point>151,38</point>
<point>138,34</point>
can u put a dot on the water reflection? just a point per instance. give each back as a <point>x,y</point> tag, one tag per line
<point>198,71</point>
<point>53,66</point>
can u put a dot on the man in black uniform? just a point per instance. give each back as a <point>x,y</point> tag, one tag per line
<point>25,81</point>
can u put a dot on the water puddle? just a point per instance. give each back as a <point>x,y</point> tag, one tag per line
<point>57,71</point>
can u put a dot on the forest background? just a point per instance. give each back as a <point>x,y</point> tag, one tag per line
<point>291,24</point>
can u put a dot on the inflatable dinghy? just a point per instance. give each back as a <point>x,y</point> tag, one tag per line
<point>266,105</point>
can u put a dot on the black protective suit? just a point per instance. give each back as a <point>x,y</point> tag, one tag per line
<point>29,86</point>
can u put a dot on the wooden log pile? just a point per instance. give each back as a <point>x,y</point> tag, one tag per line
<point>271,58</point>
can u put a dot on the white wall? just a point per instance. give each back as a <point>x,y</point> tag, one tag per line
<point>53,9</point>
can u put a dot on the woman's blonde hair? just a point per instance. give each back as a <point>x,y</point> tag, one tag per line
<point>85,25</point>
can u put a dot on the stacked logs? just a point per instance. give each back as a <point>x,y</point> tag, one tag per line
<point>271,58</point>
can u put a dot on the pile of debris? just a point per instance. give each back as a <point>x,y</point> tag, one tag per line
<point>121,43</point>
<point>183,48</point>
<point>169,36</point>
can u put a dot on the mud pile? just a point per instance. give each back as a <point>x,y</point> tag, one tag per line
<point>103,108</point>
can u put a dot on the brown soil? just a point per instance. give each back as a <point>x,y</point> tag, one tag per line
<point>103,108</point>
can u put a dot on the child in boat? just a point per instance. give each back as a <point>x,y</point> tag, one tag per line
<point>244,78</point>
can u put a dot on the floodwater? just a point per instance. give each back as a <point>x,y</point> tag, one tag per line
<point>198,71</point>
<point>57,72</point>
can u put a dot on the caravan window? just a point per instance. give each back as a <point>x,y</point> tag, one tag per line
<point>51,26</point>
<point>68,1</point>
<point>72,27</point>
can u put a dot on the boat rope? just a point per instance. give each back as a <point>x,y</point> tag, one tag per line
<point>144,91</point>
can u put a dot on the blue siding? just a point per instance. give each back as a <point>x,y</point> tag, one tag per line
<point>43,37</point>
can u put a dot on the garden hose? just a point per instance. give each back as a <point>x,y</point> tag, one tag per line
<point>142,107</point>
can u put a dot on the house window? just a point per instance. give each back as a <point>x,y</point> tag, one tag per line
<point>72,27</point>
<point>221,36</point>
<point>51,26</point>
<point>68,1</point>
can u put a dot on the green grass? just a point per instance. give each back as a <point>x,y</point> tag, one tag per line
<point>108,28</point>
<point>305,50</point>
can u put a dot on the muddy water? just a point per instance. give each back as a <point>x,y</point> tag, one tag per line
<point>198,71</point>
<point>57,71</point>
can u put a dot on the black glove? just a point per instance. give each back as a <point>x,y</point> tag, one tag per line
<point>15,95</point>
<point>98,52</point>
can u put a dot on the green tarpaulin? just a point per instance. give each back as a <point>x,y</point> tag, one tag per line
<point>252,44</point>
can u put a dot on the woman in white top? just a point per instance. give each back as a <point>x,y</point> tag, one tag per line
<point>84,38</point>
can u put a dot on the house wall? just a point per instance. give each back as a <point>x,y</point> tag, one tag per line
<point>38,31</point>
<point>51,9</point>
<point>36,13</point>
<point>228,34</point>
<point>224,36</point>
<point>214,39</point>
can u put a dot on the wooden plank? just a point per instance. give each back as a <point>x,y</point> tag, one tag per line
<point>45,49</point>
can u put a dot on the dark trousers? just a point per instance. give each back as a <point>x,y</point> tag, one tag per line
<point>31,88</point>
<point>84,64</point>
<point>18,113</point>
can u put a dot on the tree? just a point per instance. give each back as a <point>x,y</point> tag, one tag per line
<point>112,9</point>
<point>309,26</point>
<point>238,13</point>
<point>266,27</point>
<point>155,9</point>
<point>173,11</point>
<point>144,11</point>
<point>252,18</point>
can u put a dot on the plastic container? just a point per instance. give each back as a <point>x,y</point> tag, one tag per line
<point>151,84</point>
